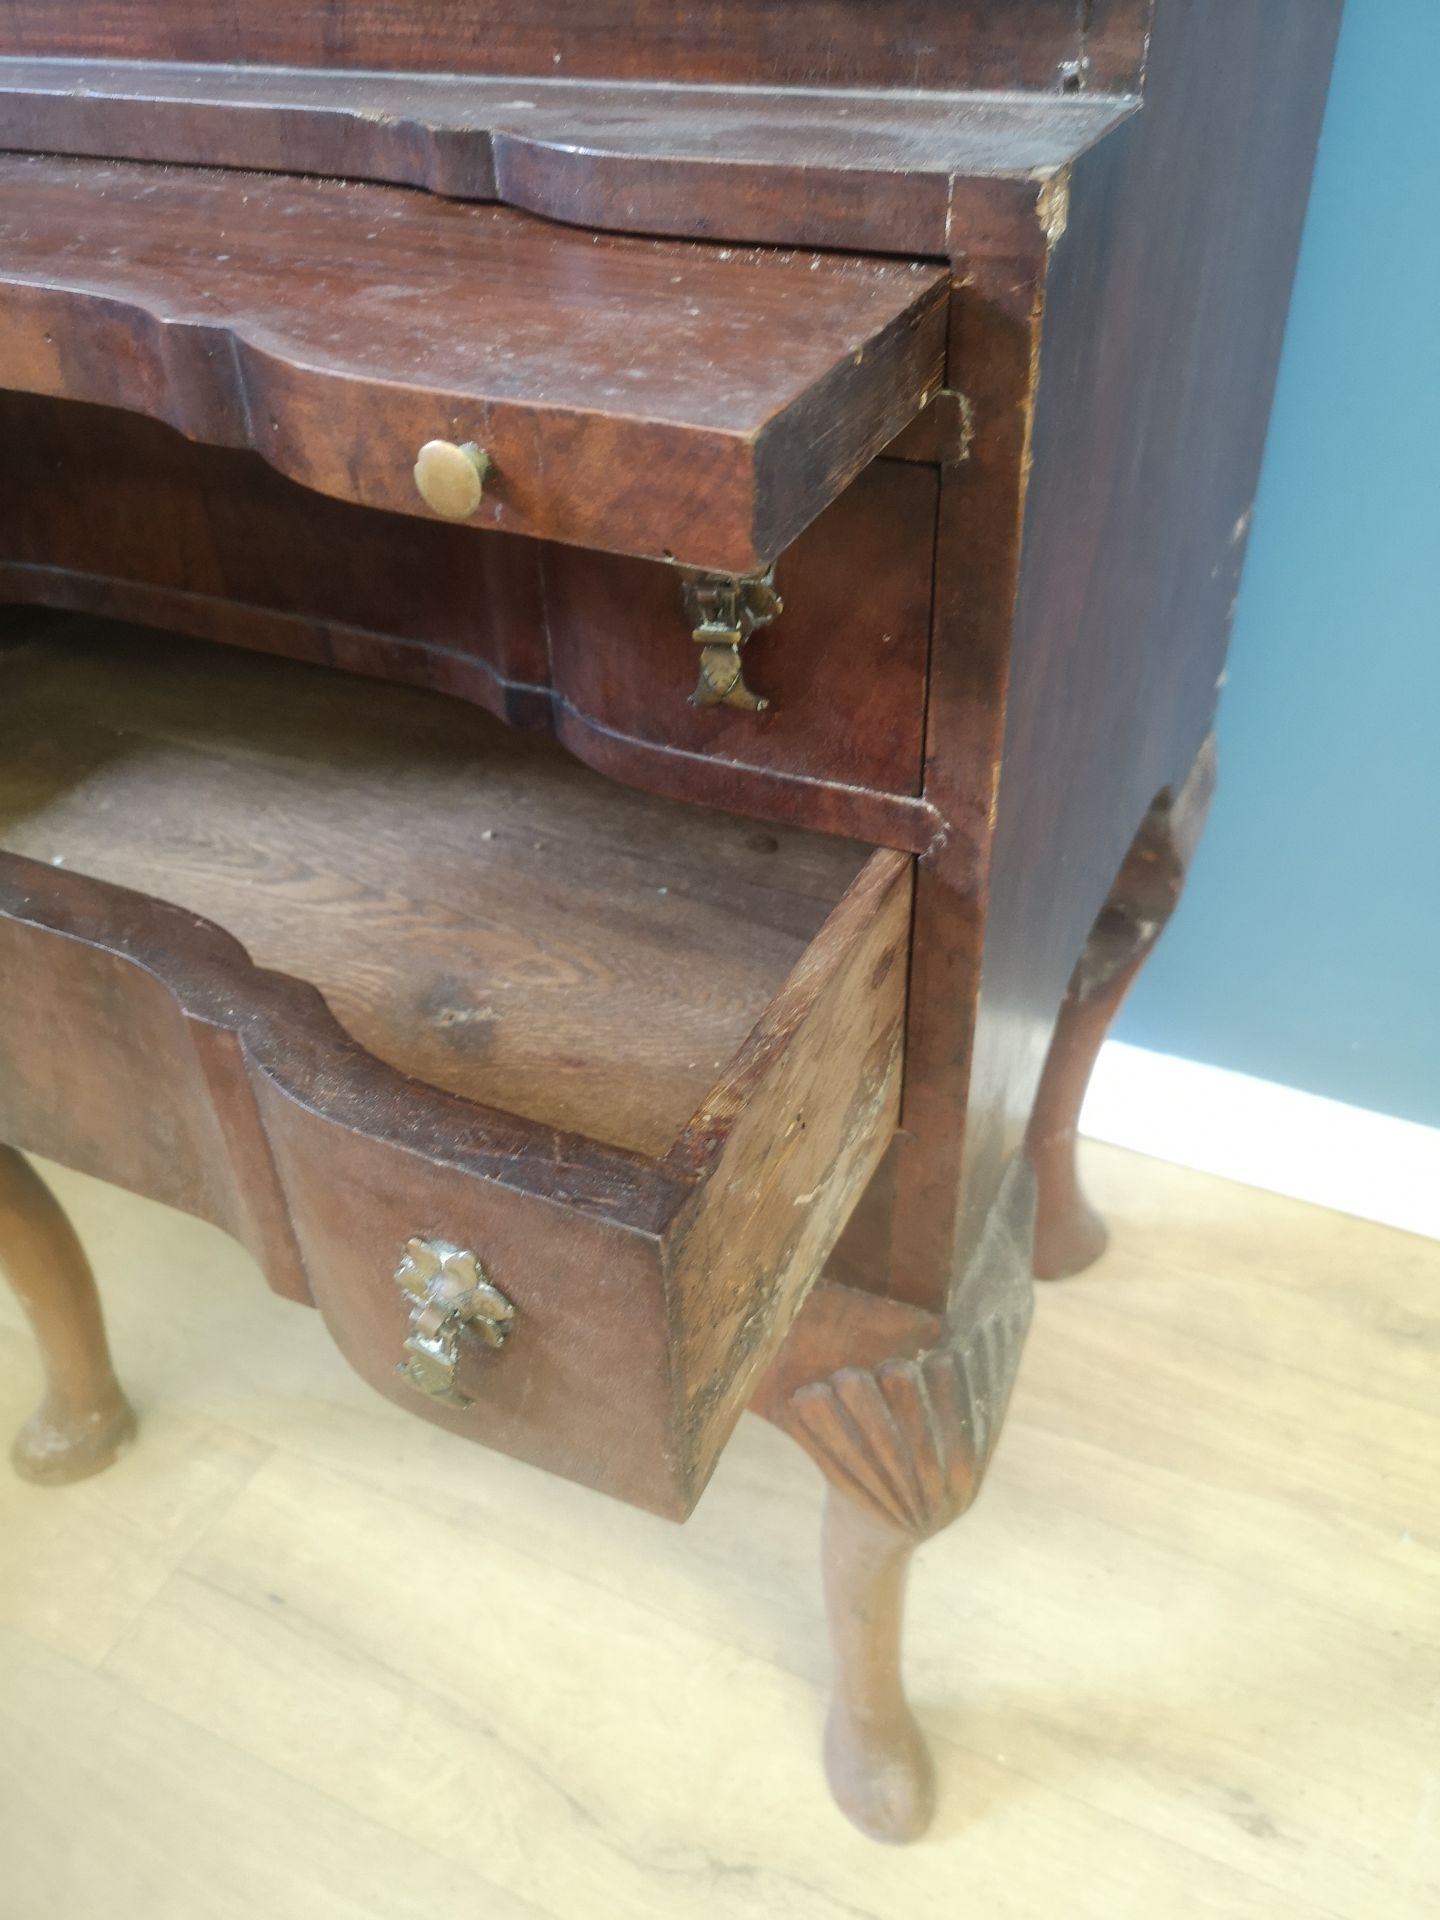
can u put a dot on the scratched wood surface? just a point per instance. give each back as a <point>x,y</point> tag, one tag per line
<point>666,1041</point>
<point>299,1656</point>
<point>696,403</point>
<point>891,173</point>
<point>1081,621</point>
<point>478,910</point>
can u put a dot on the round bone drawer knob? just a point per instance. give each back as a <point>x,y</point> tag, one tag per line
<point>451,478</point>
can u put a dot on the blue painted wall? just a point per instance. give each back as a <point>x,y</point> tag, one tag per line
<point>1307,946</point>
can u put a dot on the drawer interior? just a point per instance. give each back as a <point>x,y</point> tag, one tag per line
<point>343,966</point>
<point>110,513</point>
<point>477,908</point>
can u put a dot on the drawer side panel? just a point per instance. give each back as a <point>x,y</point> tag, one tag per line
<point>786,1146</point>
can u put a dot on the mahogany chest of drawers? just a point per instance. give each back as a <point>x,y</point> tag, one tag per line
<point>611,631</point>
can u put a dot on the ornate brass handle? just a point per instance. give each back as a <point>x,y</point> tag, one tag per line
<point>451,1293</point>
<point>723,612</point>
<point>450,478</point>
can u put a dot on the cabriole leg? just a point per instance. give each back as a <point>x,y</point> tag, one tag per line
<point>1069,1234</point>
<point>904,1441</point>
<point>876,1759</point>
<point>84,1420</point>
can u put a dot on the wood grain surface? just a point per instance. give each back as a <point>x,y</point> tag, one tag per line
<point>341,827</point>
<point>117,515</point>
<point>788,1140</point>
<point>478,910</point>
<point>688,403</point>
<point>1087,559</point>
<point>1150,417</point>
<point>892,173</point>
<point>641,1061</point>
<point>902,43</point>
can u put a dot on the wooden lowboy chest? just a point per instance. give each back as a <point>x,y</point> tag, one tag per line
<point>611,625</point>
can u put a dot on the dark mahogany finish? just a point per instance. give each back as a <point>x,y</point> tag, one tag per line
<point>998,44</point>
<point>212,542</point>
<point>1156,377</point>
<point>1005,474</point>
<point>555,1116</point>
<point>895,173</point>
<point>617,386</point>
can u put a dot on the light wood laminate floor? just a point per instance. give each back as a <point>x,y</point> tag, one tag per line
<point>299,1656</point>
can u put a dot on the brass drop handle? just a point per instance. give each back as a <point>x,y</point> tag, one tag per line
<point>451,479</point>
<point>451,1293</point>
<point>723,611</point>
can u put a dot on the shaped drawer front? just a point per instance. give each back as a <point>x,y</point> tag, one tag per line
<point>212,542</point>
<point>429,356</point>
<point>618,1068</point>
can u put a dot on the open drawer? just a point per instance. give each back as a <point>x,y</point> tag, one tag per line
<point>345,967</point>
<point>695,403</point>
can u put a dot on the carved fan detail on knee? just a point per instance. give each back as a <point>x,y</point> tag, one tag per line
<point>910,1440</point>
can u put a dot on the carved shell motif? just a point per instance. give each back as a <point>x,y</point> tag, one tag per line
<point>910,1439</point>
